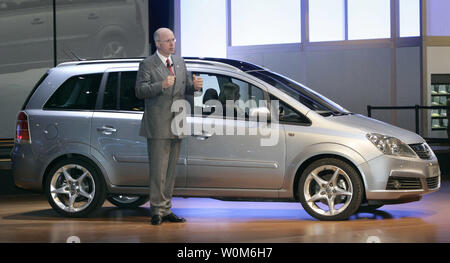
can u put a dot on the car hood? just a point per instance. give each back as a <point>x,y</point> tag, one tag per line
<point>369,125</point>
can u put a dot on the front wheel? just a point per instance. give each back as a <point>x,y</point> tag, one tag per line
<point>74,188</point>
<point>330,189</point>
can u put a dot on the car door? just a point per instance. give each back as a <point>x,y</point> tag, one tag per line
<point>115,132</point>
<point>232,152</point>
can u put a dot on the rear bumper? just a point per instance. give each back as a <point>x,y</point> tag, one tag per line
<point>26,169</point>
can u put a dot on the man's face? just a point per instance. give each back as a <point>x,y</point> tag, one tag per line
<point>166,43</point>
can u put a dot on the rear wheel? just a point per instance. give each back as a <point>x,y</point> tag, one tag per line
<point>127,201</point>
<point>74,188</point>
<point>330,189</point>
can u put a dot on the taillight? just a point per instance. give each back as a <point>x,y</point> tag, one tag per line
<point>22,131</point>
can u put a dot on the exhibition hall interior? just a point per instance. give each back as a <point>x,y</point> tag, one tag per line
<point>361,121</point>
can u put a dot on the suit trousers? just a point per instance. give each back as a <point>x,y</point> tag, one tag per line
<point>163,157</point>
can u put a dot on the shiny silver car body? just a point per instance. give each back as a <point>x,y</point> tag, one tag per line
<point>223,166</point>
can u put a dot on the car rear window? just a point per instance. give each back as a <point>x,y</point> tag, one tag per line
<point>76,93</point>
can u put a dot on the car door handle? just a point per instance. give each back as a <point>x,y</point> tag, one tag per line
<point>37,21</point>
<point>107,130</point>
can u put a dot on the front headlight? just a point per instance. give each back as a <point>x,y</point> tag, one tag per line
<point>390,145</point>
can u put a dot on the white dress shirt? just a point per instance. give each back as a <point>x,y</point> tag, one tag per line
<point>164,60</point>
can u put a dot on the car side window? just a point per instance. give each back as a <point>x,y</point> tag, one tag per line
<point>288,115</point>
<point>120,93</point>
<point>76,93</point>
<point>110,95</point>
<point>218,89</point>
<point>128,100</point>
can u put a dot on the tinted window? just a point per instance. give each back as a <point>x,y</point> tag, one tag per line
<point>287,114</point>
<point>307,97</point>
<point>76,93</point>
<point>122,84</point>
<point>128,100</point>
<point>111,90</point>
<point>218,89</point>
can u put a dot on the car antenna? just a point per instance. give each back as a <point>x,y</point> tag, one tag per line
<point>70,52</point>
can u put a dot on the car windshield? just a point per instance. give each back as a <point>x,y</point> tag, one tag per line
<point>304,95</point>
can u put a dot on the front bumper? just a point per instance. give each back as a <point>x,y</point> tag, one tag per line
<point>390,178</point>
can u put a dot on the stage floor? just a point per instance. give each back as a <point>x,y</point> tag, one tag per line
<point>29,218</point>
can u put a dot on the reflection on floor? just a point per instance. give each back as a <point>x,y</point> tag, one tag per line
<point>29,218</point>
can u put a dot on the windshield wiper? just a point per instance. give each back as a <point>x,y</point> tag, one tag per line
<point>342,113</point>
<point>325,113</point>
<point>334,113</point>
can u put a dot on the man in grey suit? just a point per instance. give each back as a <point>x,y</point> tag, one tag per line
<point>161,80</point>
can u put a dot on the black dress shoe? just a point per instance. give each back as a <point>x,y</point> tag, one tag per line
<point>173,218</point>
<point>157,220</point>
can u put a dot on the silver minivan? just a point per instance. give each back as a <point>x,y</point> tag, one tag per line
<point>78,140</point>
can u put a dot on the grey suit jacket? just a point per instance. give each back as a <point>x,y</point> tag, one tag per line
<point>157,118</point>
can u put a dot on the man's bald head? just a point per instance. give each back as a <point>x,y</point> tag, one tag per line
<point>164,41</point>
<point>159,32</point>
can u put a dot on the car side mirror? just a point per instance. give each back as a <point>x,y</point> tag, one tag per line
<point>281,112</point>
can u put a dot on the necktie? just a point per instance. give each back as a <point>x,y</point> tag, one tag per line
<point>169,67</point>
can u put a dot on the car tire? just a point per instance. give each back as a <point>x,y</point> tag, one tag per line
<point>75,188</point>
<point>125,201</point>
<point>330,189</point>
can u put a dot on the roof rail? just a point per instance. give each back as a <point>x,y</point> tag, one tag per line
<point>100,61</point>
<point>235,64</point>
<point>210,63</point>
<point>229,63</point>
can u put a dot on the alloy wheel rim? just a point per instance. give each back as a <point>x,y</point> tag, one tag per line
<point>72,188</point>
<point>328,190</point>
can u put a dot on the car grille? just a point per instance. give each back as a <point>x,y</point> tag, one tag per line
<point>433,182</point>
<point>422,150</point>
<point>403,183</point>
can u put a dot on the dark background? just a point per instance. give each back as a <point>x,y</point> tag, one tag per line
<point>161,14</point>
